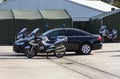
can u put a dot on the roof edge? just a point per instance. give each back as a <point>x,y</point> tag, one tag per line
<point>89,6</point>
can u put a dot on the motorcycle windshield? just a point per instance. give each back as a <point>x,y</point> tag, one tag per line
<point>33,33</point>
<point>102,29</point>
<point>21,33</point>
<point>20,40</point>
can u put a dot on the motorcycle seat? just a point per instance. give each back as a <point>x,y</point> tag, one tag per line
<point>50,41</point>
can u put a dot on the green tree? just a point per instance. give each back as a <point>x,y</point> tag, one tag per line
<point>113,2</point>
<point>116,3</point>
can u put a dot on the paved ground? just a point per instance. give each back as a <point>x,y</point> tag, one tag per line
<point>101,64</point>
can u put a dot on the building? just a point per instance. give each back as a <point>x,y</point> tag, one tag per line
<point>109,19</point>
<point>12,21</point>
<point>80,10</point>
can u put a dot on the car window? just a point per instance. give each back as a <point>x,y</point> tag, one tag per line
<point>74,33</point>
<point>56,33</point>
<point>80,33</point>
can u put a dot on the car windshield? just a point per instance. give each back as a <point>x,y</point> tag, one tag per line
<point>47,32</point>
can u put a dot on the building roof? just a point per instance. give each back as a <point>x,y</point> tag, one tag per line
<point>1,0</point>
<point>26,14</point>
<point>79,10</point>
<point>98,5</point>
<point>34,14</point>
<point>54,14</point>
<point>106,14</point>
<point>6,14</point>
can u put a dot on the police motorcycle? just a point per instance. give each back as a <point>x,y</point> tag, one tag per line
<point>106,34</point>
<point>22,40</point>
<point>32,44</point>
<point>113,35</point>
<point>41,44</point>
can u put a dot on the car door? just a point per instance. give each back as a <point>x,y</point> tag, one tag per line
<point>73,41</point>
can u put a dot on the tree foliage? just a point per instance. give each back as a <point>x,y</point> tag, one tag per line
<point>117,3</point>
<point>113,2</point>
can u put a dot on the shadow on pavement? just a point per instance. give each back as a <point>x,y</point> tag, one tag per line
<point>22,56</point>
<point>107,51</point>
<point>76,55</point>
<point>115,56</point>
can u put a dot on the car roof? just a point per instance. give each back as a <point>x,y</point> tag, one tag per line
<point>66,29</point>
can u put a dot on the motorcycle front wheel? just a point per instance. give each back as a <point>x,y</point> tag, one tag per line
<point>59,54</point>
<point>30,53</point>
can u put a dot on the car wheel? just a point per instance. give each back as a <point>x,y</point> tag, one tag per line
<point>85,49</point>
<point>30,53</point>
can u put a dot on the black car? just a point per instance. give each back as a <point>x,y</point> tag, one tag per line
<point>78,40</point>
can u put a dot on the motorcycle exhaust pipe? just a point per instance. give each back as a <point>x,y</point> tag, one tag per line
<point>49,50</point>
<point>61,50</point>
<point>60,47</point>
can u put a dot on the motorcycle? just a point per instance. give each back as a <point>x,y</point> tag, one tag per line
<point>33,44</point>
<point>107,34</point>
<point>42,44</point>
<point>113,35</point>
<point>23,40</point>
<point>104,33</point>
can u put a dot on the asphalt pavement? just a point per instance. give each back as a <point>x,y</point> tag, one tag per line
<point>101,64</point>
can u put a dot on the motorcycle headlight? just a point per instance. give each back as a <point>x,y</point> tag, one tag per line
<point>20,43</point>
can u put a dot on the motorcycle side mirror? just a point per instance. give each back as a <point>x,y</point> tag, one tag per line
<point>62,37</point>
<point>51,37</point>
<point>48,36</point>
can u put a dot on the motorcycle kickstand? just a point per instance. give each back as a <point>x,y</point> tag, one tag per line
<point>47,55</point>
<point>31,49</point>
